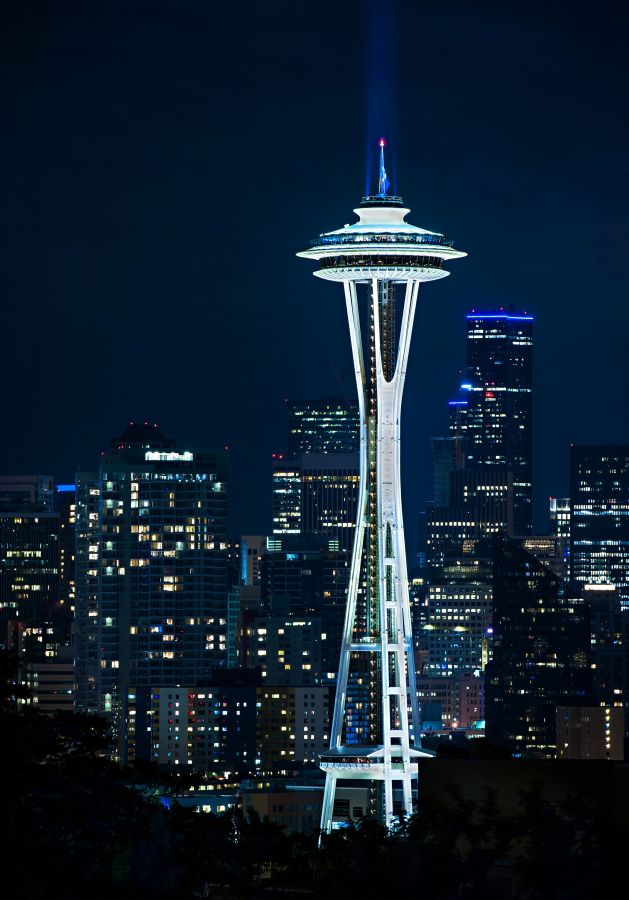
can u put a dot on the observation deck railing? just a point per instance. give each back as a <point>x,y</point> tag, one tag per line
<point>332,240</point>
<point>397,260</point>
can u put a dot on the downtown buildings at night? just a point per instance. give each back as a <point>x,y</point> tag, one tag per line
<point>208,655</point>
<point>124,588</point>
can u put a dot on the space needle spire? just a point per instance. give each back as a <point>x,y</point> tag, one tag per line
<point>383,181</point>
<point>380,260</point>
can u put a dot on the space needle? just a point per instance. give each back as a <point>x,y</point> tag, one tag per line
<point>381,260</point>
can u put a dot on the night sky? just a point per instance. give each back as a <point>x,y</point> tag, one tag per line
<point>162,162</point>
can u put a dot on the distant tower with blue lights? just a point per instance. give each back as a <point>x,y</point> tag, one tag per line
<point>381,261</point>
<point>499,392</point>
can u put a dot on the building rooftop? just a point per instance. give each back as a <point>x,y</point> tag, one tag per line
<point>141,434</point>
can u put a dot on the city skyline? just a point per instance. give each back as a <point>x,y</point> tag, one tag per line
<point>286,606</point>
<point>111,226</point>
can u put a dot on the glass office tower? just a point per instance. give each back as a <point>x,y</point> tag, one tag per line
<point>599,516</point>
<point>498,416</point>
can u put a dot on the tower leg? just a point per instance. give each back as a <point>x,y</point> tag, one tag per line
<point>327,810</point>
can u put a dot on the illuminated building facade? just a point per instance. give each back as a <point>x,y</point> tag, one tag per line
<point>27,492</point>
<point>329,497</point>
<point>252,550</point>
<point>236,725</point>
<point>590,732</point>
<point>541,647</point>
<point>559,509</point>
<point>317,493</point>
<point>481,505</point>
<point>457,701</point>
<point>498,390</point>
<point>65,505</point>
<point>50,681</point>
<point>609,639</point>
<point>386,259</point>
<point>286,495</point>
<point>286,650</point>
<point>151,577</point>
<point>599,525</point>
<point>29,573</point>
<point>208,729</point>
<point>458,628</point>
<point>326,425</point>
<point>304,580</point>
<point>292,725</point>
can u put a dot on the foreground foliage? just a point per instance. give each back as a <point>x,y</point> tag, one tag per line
<point>80,826</point>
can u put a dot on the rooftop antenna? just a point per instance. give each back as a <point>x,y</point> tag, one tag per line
<point>383,181</point>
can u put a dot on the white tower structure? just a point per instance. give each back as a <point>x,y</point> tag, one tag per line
<point>390,257</point>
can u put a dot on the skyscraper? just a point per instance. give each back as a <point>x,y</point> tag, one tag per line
<point>498,388</point>
<point>540,649</point>
<point>560,527</point>
<point>381,251</point>
<point>65,503</point>
<point>29,564</point>
<point>151,577</point>
<point>315,484</point>
<point>326,425</point>
<point>286,494</point>
<point>599,525</point>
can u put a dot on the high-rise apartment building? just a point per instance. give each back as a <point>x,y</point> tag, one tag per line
<point>498,389</point>
<point>151,577</point>
<point>599,525</point>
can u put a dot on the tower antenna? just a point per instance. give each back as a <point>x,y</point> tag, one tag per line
<point>383,181</point>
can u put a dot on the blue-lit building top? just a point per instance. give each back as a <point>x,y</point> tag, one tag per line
<point>498,389</point>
